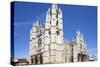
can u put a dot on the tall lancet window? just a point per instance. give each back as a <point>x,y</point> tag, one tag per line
<point>39,42</point>
<point>57,32</point>
<point>49,32</point>
<point>57,13</point>
<point>57,23</point>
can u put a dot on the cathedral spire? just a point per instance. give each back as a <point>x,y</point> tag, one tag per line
<point>37,23</point>
<point>78,34</point>
<point>60,10</point>
<point>54,5</point>
<point>78,31</point>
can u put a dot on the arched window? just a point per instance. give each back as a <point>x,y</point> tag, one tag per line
<point>49,32</point>
<point>36,60</point>
<point>57,13</point>
<point>32,60</point>
<point>57,32</point>
<point>50,21</point>
<point>41,59</point>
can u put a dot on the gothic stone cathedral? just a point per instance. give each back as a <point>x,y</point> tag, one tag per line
<point>47,44</point>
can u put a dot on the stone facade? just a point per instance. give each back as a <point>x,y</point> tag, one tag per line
<point>76,50</point>
<point>47,44</point>
<point>36,43</point>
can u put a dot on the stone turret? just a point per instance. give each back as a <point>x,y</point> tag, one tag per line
<point>54,44</point>
<point>79,48</point>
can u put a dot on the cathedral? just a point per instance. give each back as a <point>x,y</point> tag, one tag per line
<point>47,44</point>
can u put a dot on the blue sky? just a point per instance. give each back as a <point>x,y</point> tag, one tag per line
<point>74,16</point>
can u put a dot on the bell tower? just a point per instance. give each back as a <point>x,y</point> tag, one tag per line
<point>54,43</point>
